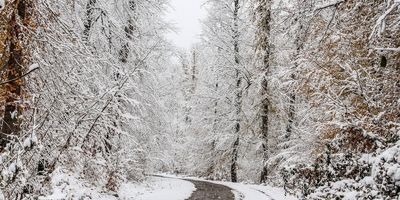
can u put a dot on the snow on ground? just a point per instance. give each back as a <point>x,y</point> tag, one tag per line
<point>273,192</point>
<point>245,192</point>
<point>66,186</point>
<point>248,191</point>
<point>156,188</point>
<point>256,192</point>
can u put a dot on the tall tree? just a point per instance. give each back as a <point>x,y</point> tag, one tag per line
<point>263,24</point>
<point>238,92</point>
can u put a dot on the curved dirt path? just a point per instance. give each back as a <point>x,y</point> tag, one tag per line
<point>210,191</point>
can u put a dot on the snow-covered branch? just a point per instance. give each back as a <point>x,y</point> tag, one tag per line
<point>380,25</point>
<point>31,69</point>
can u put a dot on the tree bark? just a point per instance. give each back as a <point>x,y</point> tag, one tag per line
<point>129,29</point>
<point>238,98</point>
<point>234,160</point>
<point>263,12</point>
<point>89,19</point>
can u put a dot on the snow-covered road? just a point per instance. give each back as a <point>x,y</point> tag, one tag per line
<point>207,190</point>
<point>241,191</point>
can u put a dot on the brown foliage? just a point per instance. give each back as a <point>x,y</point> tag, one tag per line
<point>16,24</point>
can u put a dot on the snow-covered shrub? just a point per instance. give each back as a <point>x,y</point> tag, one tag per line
<point>386,172</point>
<point>347,176</point>
<point>114,181</point>
<point>345,189</point>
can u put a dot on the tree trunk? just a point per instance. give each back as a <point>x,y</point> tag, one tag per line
<point>291,114</point>
<point>238,100</point>
<point>194,71</point>
<point>263,12</point>
<point>234,160</point>
<point>129,29</point>
<point>215,122</point>
<point>89,19</point>
<point>15,63</point>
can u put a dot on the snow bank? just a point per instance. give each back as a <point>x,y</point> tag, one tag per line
<point>256,192</point>
<point>156,188</point>
<point>245,192</point>
<point>274,192</point>
<point>67,186</point>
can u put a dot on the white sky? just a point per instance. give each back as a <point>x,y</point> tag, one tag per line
<point>186,15</point>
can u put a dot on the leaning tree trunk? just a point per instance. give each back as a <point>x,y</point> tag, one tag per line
<point>238,100</point>
<point>263,17</point>
<point>14,19</point>
<point>89,19</point>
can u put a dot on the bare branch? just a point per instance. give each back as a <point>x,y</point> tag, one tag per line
<point>15,79</point>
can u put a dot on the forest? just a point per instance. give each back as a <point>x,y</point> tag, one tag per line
<point>302,96</point>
